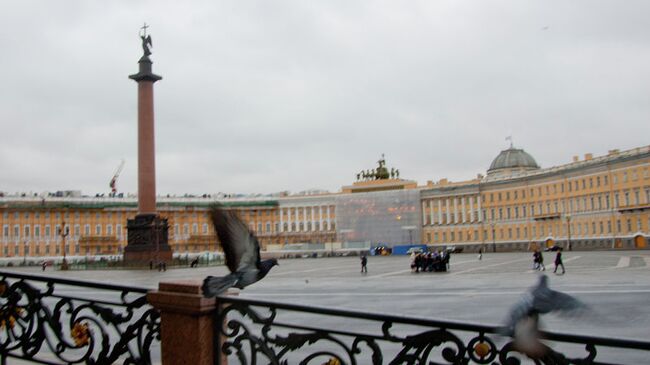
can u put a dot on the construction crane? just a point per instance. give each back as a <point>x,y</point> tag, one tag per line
<point>113,183</point>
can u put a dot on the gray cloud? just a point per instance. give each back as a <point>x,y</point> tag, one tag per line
<point>291,95</point>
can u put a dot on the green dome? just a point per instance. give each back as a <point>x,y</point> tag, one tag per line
<point>515,159</point>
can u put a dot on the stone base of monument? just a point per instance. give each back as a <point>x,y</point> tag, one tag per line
<point>147,240</point>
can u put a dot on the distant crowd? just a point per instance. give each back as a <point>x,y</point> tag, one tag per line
<point>430,262</point>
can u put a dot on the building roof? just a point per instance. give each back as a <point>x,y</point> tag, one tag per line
<point>513,158</point>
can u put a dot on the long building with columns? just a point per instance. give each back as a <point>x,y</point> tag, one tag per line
<point>589,203</point>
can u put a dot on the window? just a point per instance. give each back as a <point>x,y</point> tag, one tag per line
<point>98,229</point>
<point>37,231</point>
<point>118,231</point>
<point>597,181</point>
<point>195,228</point>
<point>26,230</point>
<point>606,180</point>
<point>48,232</point>
<point>77,230</point>
<point>5,231</point>
<point>109,230</point>
<point>16,230</point>
<point>205,228</point>
<point>186,230</point>
<point>87,230</point>
<point>177,229</point>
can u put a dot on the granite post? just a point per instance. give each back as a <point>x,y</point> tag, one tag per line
<point>187,327</point>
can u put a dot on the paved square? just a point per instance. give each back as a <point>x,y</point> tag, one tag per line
<point>616,284</point>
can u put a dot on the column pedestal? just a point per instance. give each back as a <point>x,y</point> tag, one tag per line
<point>148,240</point>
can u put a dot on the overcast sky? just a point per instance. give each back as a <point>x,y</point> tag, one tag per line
<point>265,96</point>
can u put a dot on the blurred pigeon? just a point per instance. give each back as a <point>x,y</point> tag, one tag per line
<point>242,251</point>
<point>523,320</point>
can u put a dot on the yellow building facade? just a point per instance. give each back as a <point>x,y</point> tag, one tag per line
<point>590,203</point>
<point>598,202</point>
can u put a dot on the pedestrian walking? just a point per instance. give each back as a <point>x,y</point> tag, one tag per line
<point>558,261</point>
<point>536,259</point>
<point>540,259</point>
<point>364,264</point>
<point>480,254</point>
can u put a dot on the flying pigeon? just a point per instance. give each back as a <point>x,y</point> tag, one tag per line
<point>523,320</point>
<point>242,252</point>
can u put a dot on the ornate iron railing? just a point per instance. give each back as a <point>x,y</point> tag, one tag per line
<point>59,321</point>
<point>261,332</point>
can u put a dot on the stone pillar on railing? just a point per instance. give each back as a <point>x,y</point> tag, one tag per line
<point>187,329</point>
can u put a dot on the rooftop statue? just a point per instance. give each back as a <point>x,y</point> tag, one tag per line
<point>146,40</point>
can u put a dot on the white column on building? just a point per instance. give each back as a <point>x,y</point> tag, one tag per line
<point>312,210</point>
<point>480,211</point>
<point>281,220</point>
<point>431,211</point>
<point>329,223</point>
<point>448,212</point>
<point>289,219</point>
<point>304,218</point>
<point>463,208</point>
<point>471,209</point>
<point>439,211</point>
<point>455,210</point>
<point>320,218</point>
<point>424,213</point>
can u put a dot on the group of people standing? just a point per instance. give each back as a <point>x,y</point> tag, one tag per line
<point>538,261</point>
<point>437,261</point>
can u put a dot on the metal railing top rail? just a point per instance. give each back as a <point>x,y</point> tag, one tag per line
<point>62,281</point>
<point>443,324</point>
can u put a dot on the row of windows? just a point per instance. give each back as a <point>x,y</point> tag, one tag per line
<point>20,250</point>
<point>579,204</point>
<point>47,232</point>
<point>570,186</point>
<point>57,215</point>
<point>629,225</point>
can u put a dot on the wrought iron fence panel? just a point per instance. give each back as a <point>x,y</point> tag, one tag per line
<point>60,321</point>
<point>261,332</point>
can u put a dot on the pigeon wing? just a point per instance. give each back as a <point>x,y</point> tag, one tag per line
<point>239,245</point>
<point>548,300</point>
<point>519,311</point>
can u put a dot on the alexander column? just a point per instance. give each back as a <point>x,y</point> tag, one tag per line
<point>147,233</point>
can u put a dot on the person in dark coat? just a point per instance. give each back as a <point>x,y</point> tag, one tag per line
<point>558,261</point>
<point>540,259</point>
<point>364,264</point>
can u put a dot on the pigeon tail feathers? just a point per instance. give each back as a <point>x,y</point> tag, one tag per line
<point>215,285</point>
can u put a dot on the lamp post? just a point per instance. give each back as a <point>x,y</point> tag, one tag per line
<point>494,242</point>
<point>568,224</point>
<point>63,232</point>
<point>344,237</point>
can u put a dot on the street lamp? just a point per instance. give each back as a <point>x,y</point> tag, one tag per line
<point>410,230</point>
<point>494,243</point>
<point>344,238</point>
<point>568,224</point>
<point>64,232</point>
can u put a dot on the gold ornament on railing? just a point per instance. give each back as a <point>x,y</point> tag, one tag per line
<point>80,334</point>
